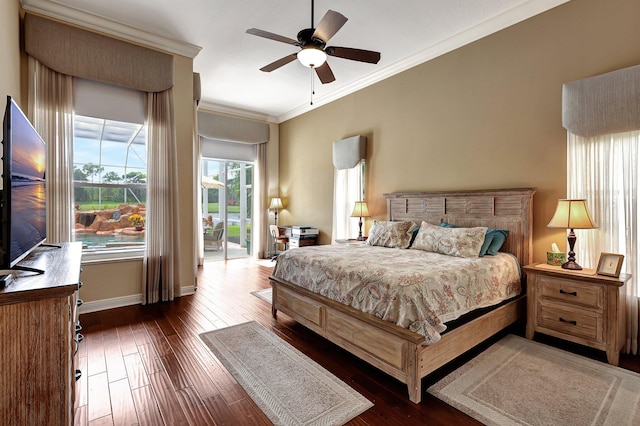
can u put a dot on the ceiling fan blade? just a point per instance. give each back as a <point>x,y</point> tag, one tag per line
<point>272,36</point>
<point>329,25</point>
<point>325,74</point>
<point>353,54</point>
<point>280,62</point>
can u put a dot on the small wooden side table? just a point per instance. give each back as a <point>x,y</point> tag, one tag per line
<point>578,306</point>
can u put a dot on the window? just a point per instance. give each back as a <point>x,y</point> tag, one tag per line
<point>109,170</point>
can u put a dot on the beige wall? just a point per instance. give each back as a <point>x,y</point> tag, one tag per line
<point>487,115</point>
<point>9,52</point>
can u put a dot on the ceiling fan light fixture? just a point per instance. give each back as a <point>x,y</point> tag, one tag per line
<point>312,57</point>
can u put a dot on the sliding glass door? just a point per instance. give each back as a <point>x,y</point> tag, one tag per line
<point>226,208</point>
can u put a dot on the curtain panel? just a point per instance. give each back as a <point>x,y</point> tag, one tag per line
<point>604,170</point>
<point>51,112</point>
<point>260,232</point>
<point>160,266</point>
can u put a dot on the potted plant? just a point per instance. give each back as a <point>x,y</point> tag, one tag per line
<point>137,221</point>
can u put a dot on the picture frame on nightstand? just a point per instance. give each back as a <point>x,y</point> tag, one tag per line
<point>610,264</point>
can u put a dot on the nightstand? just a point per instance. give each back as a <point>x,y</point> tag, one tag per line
<point>578,306</point>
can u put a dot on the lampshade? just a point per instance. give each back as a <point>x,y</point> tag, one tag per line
<point>360,209</point>
<point>311,57</point>
<point>572,214</point>
<point>276,203</point>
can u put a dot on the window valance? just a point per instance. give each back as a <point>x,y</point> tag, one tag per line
<point>604,104</point>
<point>81,53</point>
<point>347,153</point>
<point>231,129</point>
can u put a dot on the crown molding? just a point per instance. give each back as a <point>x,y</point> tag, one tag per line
<point>72,15</point>
<point>236,112</point>
<point>497,23</point>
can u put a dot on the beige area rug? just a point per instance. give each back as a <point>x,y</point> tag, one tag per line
<point>520,382</point>
<point>289,388</point>
<point>264,294</point>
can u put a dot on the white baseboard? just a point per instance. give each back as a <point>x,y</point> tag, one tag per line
<point>119,302</point>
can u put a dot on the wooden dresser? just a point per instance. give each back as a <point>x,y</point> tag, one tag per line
<point>38,339</point>
<point>579,306</point>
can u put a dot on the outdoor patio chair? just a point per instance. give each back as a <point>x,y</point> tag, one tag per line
<point>213,237</point>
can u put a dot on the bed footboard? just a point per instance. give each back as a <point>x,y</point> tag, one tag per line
<point>392,349</point>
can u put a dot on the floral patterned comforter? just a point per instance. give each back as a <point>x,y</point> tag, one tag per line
<point>414,289</point>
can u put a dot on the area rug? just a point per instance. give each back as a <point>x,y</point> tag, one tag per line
<point>520,382</point>
<point>289,388</point>
<point>264,294</point>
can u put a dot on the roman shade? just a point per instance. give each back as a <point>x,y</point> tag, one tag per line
<point>605,104</point>
<point>347,153</point>
<point>231,129</point>
<point>81,53</point>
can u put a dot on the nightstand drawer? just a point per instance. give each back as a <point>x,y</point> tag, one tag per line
<point>583,324</point>
<point>570,291</point>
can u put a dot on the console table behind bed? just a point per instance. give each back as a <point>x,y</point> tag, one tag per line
<point>395,350</point>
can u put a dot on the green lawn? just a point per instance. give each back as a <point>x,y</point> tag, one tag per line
<point>93,205</point>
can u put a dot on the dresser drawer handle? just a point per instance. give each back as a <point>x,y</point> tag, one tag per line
<point>567,321</point>
<point>569,293</point>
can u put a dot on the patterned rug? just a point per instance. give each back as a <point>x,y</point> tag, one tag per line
<point>289,388</point>
<point>520,382</point>
<point>264,294</point>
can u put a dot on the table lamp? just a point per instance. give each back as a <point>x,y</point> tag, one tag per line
<point>572,214</point>
<point>276,204</point>
<point>360,210</point>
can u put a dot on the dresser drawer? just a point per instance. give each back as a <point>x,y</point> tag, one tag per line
<point>578,323</point>
<point>570,291</point>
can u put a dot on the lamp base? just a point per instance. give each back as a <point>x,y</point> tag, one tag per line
<point>572,265</point>
<point>361,238</point>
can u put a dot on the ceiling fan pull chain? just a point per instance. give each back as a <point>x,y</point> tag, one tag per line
<point>313,91</point>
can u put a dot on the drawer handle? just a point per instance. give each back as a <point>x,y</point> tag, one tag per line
<point>567,321</point>
<point>79,338</point>
<point>78,375</point>
<point>569,293</point>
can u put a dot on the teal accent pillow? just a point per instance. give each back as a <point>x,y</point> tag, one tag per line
<point>413,235</point>
<point>493,239</point>
<point>499,236</point>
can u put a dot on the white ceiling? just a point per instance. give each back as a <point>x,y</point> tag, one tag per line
<point>406,32</point>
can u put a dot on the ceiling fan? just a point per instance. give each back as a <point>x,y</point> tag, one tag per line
<point>314,49</point>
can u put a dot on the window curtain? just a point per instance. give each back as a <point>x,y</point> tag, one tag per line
<point>160,267</point>
<point>604,170</point>
<point>347,189</point>
<point>51,112</point>
<point>260,231</point>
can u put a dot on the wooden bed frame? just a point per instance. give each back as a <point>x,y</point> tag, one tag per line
<point>393,349</point>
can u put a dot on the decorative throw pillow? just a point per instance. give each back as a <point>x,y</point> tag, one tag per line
<point>499,236</point>
<point>461,242</point>
<point>489,246</point>
<point>391,234</point>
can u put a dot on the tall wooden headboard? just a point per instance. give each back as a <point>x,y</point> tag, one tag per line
<point>510,209</point>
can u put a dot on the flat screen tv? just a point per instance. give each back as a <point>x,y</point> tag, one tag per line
<point>23,206</point>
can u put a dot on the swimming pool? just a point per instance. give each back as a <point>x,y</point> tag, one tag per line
<point>95,240</point>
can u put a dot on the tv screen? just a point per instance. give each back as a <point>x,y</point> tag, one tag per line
<point>23,192</point>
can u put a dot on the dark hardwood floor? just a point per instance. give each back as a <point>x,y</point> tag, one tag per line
<point>146,365</point>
